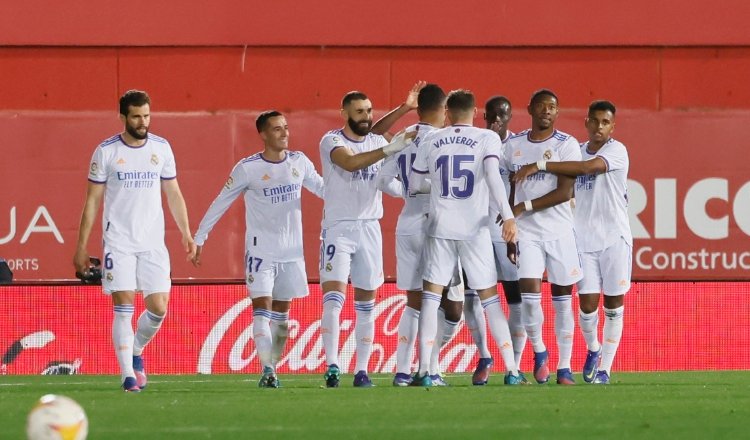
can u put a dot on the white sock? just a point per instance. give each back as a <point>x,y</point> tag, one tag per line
<point>613,320</point>
<point>148,324</point>
<point>500,332</point>
<point>364,331</point>
<point>262,336</point>
<point>589,324</point>
<point>474,315</point>
<point>279,334</point>
<point>564,329</point>
<point>533,318</point>
<point>517,331</point>
<point>333,302</point>
<point>446,331</point>
<point>428,325</point>
<point>408,326</point>
<point>123,338</point>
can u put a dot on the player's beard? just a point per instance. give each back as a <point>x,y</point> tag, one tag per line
<point>133,131</point>
<point>358,129</point>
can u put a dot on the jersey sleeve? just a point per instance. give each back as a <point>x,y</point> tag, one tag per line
<point>312,181</point>
<point>389,169</point>
<point>98,166</point>
<point>494,148</point>
<point>234,186</point>
<point>169,170</point>
<point>570,151</point>
<point>329,143</point>
<point>615,155</point>
<point>420,164</point>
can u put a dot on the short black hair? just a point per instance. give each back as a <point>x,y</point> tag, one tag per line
<point>136,98</point>
<point>461,100</point>
<point>542,92</point>
<point>354,95</point>
<point>431,97</point>
<point>602,105</point>
<point>262,119</point>
<point>490,104</point>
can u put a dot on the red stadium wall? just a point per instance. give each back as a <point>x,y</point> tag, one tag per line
<point>210,68</point>
<point>668,326</point>
<point>680,113</point>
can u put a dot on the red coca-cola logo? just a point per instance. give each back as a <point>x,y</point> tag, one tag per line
<point>304,353</point>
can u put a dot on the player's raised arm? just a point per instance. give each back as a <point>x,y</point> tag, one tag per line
<point>385,123</point>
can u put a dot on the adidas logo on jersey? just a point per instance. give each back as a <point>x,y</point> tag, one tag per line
<point>120,161</point>
<point>266,177</point>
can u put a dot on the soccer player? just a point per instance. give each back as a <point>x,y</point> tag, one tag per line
<point>410,237</point>
<point>271,183</point>
<point>462,163</point>
<point>604,240</point>
<point>546,238</point>
<point>351,242</point>
<point>498,113</point>
<point>129,171</point>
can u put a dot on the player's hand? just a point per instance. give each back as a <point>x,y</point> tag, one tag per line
<point>189,246</point>
<point>510,230</point>
<point>81,261</point>
<point>512,251</point>
<point>399,142</point>
<point>412,98</point>
<point>197,256</point>
<point>524,172</point>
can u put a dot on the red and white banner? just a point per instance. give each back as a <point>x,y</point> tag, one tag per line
<point>689,190</point>
<point>53,329</point>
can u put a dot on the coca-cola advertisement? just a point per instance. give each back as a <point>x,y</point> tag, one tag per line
<point>67,330</point>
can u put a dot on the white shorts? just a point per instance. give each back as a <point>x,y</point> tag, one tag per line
<point>506,270</point>
<point>607,271</point>
<point>475,255</point>
<point>147,271</point>
<point>559,257</point>
<point>352,249</point>
<point>456,293</point>
<point>282,281</point>
<point>409,261</point>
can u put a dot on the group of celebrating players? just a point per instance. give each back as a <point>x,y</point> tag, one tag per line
<point>481,205</point>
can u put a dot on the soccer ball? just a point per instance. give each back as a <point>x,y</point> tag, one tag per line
<point>57,418</point>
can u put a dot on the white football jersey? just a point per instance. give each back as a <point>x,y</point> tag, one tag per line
<point>546,224</point>
<point>273,214</point>
<point>495,229</point>
<point>601,214</point>
<point>453,157</point>
<point>350,195</point>
<point>133,218</point>
<point>413,217</point>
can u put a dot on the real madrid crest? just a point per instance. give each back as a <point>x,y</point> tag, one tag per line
<point>250,278</point>
<point>295,173</point>
<point>329,267</point>
<point>110,277</point>
<point>548,155</point>
<point>155,159</point>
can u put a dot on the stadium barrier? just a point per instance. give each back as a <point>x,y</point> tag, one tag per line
<point>63,329</point>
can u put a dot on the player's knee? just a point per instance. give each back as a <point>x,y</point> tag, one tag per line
<point>453,310</point>
<point>588,303</point>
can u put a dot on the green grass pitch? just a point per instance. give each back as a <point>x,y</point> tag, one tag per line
<point>682,405</point>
